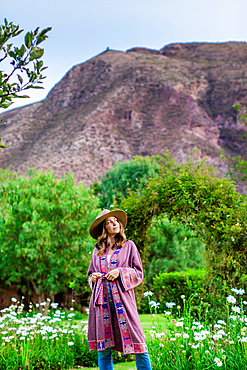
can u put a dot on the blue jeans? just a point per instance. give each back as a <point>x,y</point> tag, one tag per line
<point>105,360</point>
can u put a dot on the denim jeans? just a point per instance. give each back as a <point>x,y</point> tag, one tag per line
<point>105,360</point>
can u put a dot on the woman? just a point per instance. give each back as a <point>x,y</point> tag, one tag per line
<point>114,271</point>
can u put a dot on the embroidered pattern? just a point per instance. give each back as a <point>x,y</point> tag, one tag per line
<point>128,276</point>
<point>123,326</point>
<point>140,347</point>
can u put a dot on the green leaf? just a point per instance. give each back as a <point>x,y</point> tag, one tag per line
<point>22,50</point>
<point>12,54</point>
<point>5,104</point>
<point>36,53</point>
<point>20,79</point>
<point>28,40</point>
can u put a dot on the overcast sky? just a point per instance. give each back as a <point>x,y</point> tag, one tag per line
<point>82,29</point>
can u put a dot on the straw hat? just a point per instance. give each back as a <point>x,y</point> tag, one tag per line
<point>96,227</point>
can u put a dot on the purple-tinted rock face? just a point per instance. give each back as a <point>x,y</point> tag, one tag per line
<point>142,102</point>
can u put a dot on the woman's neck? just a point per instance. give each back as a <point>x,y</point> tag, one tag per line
<point>112,241</point>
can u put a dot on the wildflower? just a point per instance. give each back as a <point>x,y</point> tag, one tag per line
<point>178,307</point>
<point>146,294</point>
<point>183,296</point>
<point>154,304</point>
<point>207,351</point>
<point>241,291</point>
<point>244,302</point>
<point>221,322</point>
<point>236,309</point>
<point>179,324</point>
<point>112,205</point>
<point>13,299</point>
<point>217,336</point>
<point>170,304</point>
<point>167,313</point>
<point>231,299</point>
<point>223,357</point>
<point>152,332</point>
<point>185,336</point>
<point>54,305</point>
<point>70,343</point>
<point>217,361</point>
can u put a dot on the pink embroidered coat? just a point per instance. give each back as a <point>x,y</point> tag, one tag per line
<point>125,333</point>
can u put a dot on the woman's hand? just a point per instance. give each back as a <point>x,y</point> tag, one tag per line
<point>95,276</point>
<point>113,274</point>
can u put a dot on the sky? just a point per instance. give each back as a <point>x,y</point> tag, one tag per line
<point>81,29</point>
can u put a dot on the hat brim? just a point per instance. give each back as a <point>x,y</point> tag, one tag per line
<point>96,227</point>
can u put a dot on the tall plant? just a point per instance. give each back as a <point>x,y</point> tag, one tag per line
<point>44,231</point>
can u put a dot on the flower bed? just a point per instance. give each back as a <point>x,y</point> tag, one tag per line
<point>189,344</point>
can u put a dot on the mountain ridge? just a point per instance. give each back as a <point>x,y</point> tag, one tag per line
<point>139,102</point>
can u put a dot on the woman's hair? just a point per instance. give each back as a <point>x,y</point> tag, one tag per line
<point>104,240</point>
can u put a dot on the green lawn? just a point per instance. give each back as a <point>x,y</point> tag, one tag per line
<point>147,322</point>
<point>123,366</point>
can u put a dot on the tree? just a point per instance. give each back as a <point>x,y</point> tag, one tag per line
<point>27,68</point>
<point>128,176</point>
<point>208,205</point>
<point>44,222</point>
<point>172,247</point>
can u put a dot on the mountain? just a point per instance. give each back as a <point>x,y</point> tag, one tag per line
<point>139,102</point>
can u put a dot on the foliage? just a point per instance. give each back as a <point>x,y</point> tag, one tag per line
<point>209,206</point>
<point>55,340</point>
<point>239,164</point>
<point>174,285</point>
<point>22,76</point>
<point>172,247</point>
<point>44,231</point>
<point>128,176</point>
<point>187,344</point>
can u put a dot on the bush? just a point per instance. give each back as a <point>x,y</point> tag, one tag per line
<point>169,287</point>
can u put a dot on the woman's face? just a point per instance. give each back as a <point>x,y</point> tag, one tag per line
<point>112,226</point>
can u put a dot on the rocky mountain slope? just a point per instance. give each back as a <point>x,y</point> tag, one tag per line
<point>121,104</point>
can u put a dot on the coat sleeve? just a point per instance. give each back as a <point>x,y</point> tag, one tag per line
<point>132,275</point>
<point>91,269</point>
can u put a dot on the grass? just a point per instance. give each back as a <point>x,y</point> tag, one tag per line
<point>147,323</point>
<point>123,366</point>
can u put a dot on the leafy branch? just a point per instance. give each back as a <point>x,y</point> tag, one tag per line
<point>27,68</point>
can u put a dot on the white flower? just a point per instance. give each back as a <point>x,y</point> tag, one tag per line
<point>217,361</point>
<point>147,293</point>
<point>244,302</point>
<point>70,343</point>
<point>167,313</point>
<point>231,299</point>
<point>217,336</point>
<point>13,299</point>
<point>186,336</point>
<point>241,291</point>
<point>221,322</point>
<point>54,305</point>
<point>154,304</point>
<point>236,309</point>
<point>170,304</point>
<point>179,324</point>
<point>183,296</point>
<point>152,332</point>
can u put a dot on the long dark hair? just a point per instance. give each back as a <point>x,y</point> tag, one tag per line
<point>104,241</point>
